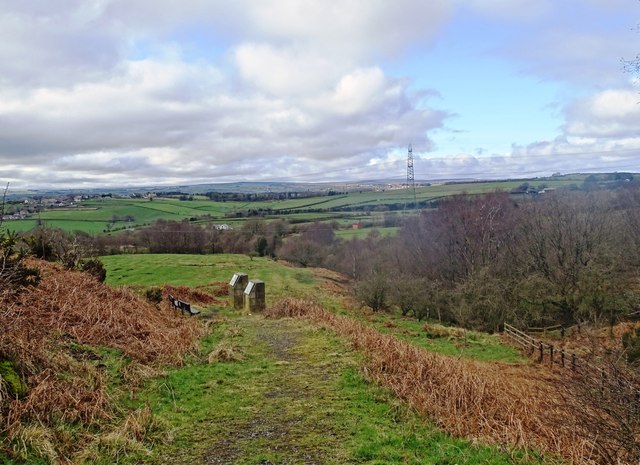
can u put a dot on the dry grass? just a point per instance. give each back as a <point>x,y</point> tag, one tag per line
<point>136,374</point>
<point>74,306</point>
<point>233,331</point>
<point>487,402</point>
<point>34,439</point>
<point>589,342</point>
<point>4,396</point>
<point>193,296</point>
<point>142,425</point>
<point>139,429</point>
<point>220,289</point>
<point>113,446</point>
<point>435,330</point>
<point>225,353</point>
<point>42,330</point>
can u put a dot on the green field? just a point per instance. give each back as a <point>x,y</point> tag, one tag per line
<point>203,270</point>
<point>364,232</point>
<point>112,215</point>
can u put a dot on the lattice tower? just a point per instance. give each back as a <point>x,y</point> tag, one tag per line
<point>411,183</point>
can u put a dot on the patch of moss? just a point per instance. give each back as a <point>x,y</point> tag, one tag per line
<point>10,378</point>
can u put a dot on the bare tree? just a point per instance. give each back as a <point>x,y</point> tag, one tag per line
<point>603,403</point>
<point>633,65</point>
<point>564,248</point>
<point>464,235</point>
<point>3,204</point>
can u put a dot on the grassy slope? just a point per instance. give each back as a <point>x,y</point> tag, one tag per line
<point>296,394</point>
<point>77,344</point>
<point>202,270</point>
<point>447,341</point>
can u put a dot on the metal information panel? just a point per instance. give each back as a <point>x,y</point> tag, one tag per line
<point>249,287</point>
<point>234,279</point>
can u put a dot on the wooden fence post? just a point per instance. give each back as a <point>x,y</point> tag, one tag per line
<point>541,352</point>
<point>562,358</point>
<point>551,356</point>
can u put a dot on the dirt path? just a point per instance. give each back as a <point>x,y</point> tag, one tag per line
<point>289,417</point>
<point>295,397</point>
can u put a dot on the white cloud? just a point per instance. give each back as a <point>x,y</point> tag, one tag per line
<point>613,113</point>
<point>600,134</point>
<point>359,91</point>
<point>156,118</point>
<point>511,9</point>
<point>285,71</point>
<point>109,90</point>
<point>356,28</point>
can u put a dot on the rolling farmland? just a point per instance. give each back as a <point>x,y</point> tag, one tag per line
<point>111,215</point>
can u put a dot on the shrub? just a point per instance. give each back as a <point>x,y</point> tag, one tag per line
<point>373,291</point>
<point>153,295</point>
<point>95,268</point>
<point>14,274</point>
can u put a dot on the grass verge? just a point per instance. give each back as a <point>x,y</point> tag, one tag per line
<point>465,398</point>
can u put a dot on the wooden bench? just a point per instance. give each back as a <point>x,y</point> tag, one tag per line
<point>183,306</point>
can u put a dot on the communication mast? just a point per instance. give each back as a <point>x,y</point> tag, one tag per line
<point>411,183</point>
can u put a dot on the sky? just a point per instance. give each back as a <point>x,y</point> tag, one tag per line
<point>101,93</point>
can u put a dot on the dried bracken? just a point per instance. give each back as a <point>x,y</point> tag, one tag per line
<point>75,306</point>
<point>220,288</point>
<point>48,334</point>
<point>193,296</point>
<point>487,402</point>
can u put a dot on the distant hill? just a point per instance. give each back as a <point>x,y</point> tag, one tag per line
<point>284,186</point>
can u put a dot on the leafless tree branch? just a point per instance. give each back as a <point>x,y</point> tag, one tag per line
<point>4,200</point>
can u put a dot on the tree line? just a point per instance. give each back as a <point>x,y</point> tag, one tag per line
<point>477,261</point>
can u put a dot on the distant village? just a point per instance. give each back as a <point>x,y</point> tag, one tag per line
<point>24,208</point>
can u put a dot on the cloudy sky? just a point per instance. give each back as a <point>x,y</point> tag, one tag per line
<point>134,92</point>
